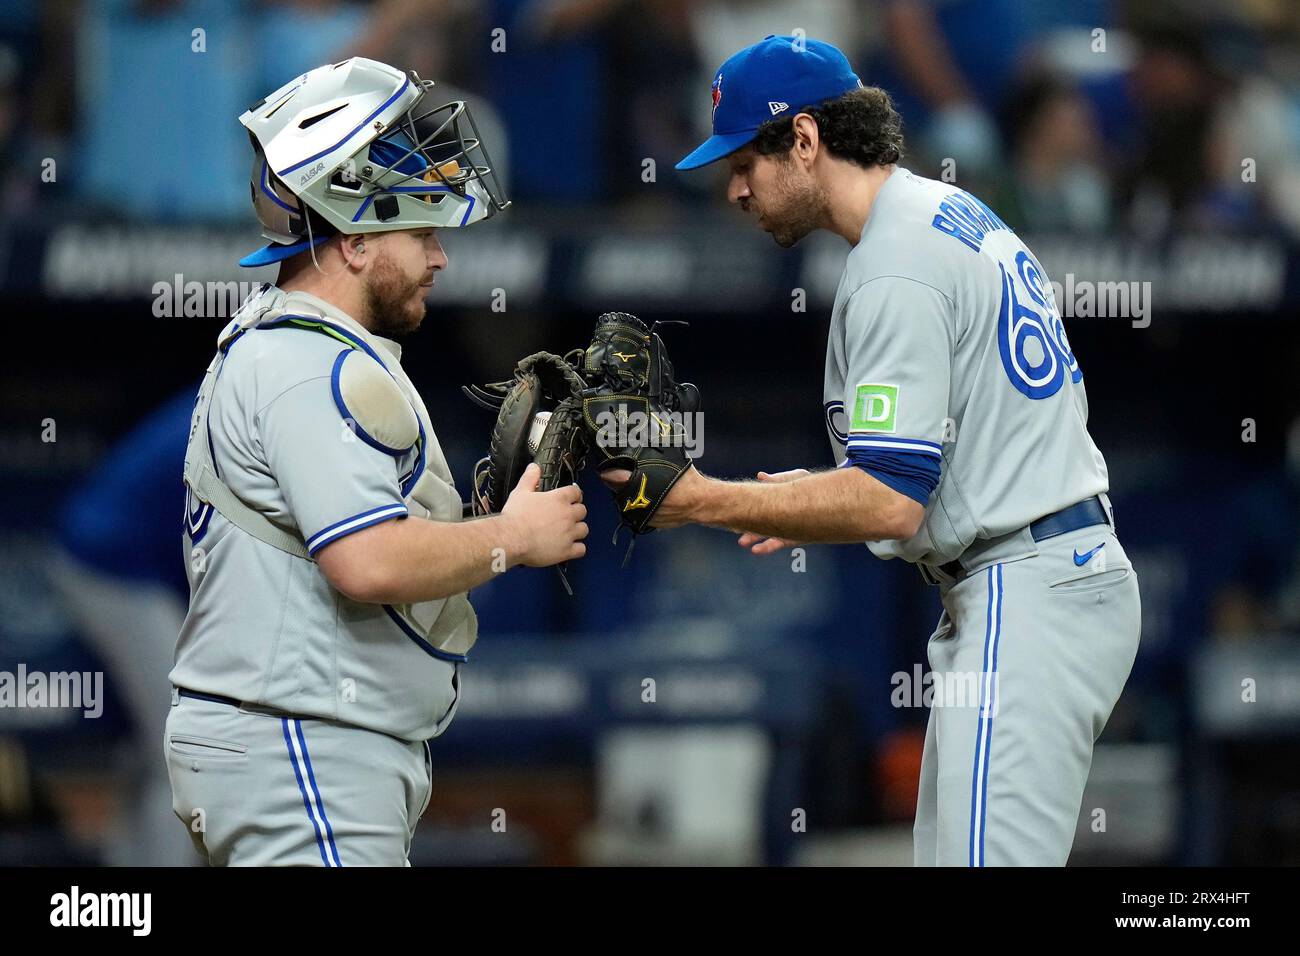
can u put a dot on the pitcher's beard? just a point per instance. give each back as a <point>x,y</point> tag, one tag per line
<point>797,210</point>
<point>395,301</point>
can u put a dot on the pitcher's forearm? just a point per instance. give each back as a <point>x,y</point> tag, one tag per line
<point>842,506</point>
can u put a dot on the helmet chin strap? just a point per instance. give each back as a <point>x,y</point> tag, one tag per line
<point>311,247</point>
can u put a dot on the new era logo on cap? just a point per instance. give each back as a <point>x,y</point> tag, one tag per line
<point>775,75</point>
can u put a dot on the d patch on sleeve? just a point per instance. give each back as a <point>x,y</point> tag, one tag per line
<point>875,408</point>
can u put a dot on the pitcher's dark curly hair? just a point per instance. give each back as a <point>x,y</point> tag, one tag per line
<point>861,126</point>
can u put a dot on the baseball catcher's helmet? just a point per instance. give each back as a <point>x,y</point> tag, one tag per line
<point>359,146</point>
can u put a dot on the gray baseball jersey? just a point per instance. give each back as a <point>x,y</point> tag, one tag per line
<point>285,423</point>
<point>949,377</point>
<point>946,342</point>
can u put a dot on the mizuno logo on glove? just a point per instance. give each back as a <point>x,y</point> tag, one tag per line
<point>640,501</point>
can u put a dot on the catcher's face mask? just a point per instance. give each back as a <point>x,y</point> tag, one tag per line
<point>361,147</point>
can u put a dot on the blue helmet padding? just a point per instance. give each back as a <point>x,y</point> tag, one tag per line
<point>390,148</point>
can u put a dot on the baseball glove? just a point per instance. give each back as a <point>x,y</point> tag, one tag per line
<point>633,410</point>
<point>543,384</point>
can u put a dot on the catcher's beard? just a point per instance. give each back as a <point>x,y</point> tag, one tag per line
<point>797,206</point>
<point>394,300</point>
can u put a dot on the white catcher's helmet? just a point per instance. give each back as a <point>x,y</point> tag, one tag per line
<point>358,146</point>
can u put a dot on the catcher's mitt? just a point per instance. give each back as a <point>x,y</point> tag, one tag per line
<point>542,383</point>
<point>634,412</point>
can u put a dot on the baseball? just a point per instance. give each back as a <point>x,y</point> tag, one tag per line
<point>535,431</point>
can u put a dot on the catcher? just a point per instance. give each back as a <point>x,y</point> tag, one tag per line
<point>329,562</point>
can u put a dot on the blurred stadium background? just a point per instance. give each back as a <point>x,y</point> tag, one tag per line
<point>1165,149</point>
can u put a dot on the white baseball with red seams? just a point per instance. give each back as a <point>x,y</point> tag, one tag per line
<point>535,431</point>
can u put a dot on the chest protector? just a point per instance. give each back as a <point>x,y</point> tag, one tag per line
<point>378,400</point>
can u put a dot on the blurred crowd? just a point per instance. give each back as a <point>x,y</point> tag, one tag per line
<point>1148,117</point>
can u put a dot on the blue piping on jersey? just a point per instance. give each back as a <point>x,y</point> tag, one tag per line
<point>830,408</point>
<point>419,641</point>
<point>984,726</point>
<point>413,479</point>
<point>197,521</point>
<point>347,412</point>
<point>338,530</point>
<point>287,321</point>
<point>882,441</point>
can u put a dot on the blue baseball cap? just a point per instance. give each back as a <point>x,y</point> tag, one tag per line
<point>776,76</point>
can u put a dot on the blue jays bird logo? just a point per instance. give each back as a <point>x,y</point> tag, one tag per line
<point>717,94</point>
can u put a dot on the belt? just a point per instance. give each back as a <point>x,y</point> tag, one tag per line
<point>268,711</point>
<point>239,704</point>
<point>1085,514</point>
<point>214,698</point>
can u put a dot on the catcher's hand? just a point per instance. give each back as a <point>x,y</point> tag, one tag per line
<point>551,524</point>
<point>633,413</point>
<point>544,395</point>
